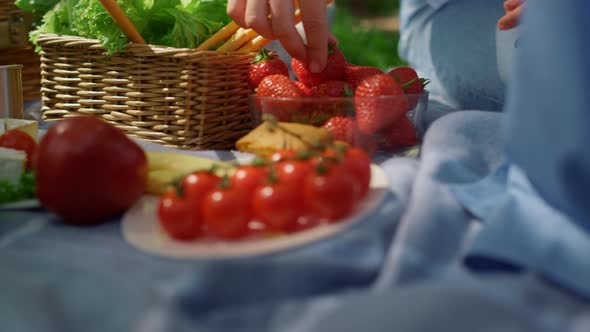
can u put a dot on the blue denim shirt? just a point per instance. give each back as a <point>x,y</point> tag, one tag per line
<point>458,47</point>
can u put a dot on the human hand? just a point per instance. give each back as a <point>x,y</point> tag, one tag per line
<point>511,19</point>
<point>275,19</point>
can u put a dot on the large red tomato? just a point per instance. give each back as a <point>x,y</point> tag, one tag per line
<point>88,171</point>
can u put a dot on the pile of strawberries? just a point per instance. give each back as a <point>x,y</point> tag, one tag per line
<point>375,118</point>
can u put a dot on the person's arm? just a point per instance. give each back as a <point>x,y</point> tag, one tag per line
<point>511,19</point>
<point>274,19</point>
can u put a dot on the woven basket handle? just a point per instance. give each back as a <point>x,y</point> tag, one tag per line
<point>122,20</point>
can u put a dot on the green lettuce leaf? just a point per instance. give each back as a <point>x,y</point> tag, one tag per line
<point>175,23</point>
<point>24,189</point>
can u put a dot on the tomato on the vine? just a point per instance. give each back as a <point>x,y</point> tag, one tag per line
<point>197,185</point>
<point>283,154</point>
<point>179,216</point>
<point>247,178</point>
<point>359,164</point>
<point>293,171</point>
<point>226,213</point>
<point>279,205</point>
<point>332,193</point>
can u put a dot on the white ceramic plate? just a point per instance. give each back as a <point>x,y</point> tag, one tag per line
<point>141,229</point>
<point>21,205</point>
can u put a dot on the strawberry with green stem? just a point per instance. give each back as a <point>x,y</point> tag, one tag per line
<point>264,65</point>
<point>412,84</point>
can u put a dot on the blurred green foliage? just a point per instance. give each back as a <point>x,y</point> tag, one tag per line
<point>370,7</point>
<point>361,46</point>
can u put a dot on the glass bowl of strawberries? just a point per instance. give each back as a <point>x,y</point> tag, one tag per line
<point>360,105</point>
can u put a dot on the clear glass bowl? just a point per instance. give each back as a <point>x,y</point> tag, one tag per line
<point>374,117</point>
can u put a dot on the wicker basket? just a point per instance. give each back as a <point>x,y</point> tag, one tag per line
<point>181,98</point>
<point>14,26</point>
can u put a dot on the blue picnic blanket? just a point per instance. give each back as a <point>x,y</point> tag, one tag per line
<point>62,278</point>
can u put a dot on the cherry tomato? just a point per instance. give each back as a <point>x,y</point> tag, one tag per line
<point>180,217</point>
<point>226,213</point>
<point>278,205</point>
<point>331,194</point>
<point>248,178</point>
<point>19,140</point>
<point>283,154</point>
<point>199,184</point>
<point>293,171</point>
<point>359,164</point>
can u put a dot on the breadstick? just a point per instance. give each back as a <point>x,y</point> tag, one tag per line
<point>219,37</point>
<point>238,39</point>
<point>254,45</point>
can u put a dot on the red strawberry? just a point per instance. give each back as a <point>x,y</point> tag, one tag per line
<point>335,69</point>
<point>346,130</point>
<point>278,86</point>
<point>307,92</point>
<point>321,108</point>
<point>401,134</point>
<point>410,82</point>
<point>379,101</point>
<point>341,128</point>
<point>262,66</point>
<point>331,89</point>
<point>355,74</point>
<point>277,92</point>
<point>408,79</point>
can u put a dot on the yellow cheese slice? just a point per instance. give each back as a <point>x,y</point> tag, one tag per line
<point>166,167</point>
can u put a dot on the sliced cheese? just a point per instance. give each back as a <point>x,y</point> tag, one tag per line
<point>12,164</point>
<point>29,127</point>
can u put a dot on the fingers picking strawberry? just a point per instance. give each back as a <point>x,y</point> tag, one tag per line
<point>335,69</point>
<point>307,92</point>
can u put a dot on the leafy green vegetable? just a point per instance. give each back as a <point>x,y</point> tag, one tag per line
<point>188,30</point>
<point>24,189</point>
<point>91,20</point>
<point>55,21</point>
<point>37,7</point>
<point>175,23</point>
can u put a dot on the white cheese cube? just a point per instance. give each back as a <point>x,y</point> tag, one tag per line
<point>12,164</point>
<point>29,127</point>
